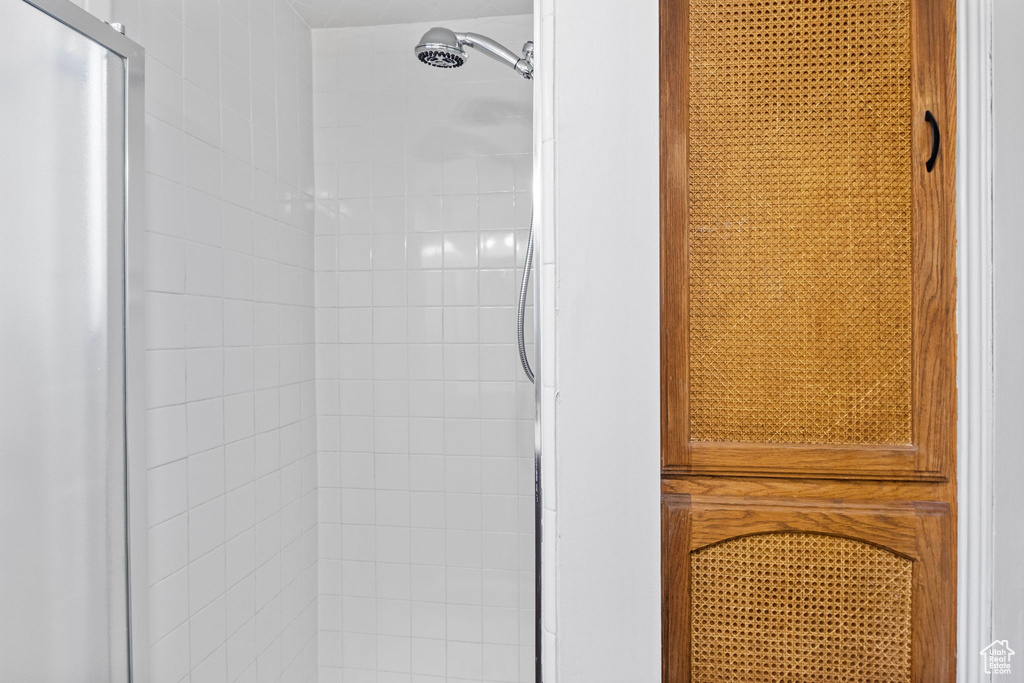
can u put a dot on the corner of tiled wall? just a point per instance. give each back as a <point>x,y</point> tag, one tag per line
<point>230,357</point>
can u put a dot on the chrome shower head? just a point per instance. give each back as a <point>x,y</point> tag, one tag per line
<point>441,48</point>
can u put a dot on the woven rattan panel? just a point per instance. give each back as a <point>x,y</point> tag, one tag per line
<point>794,608</point>
<point>800,221</point>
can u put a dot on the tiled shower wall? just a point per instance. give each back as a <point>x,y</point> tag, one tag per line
<point>229,318</point>
<point>425,421</point>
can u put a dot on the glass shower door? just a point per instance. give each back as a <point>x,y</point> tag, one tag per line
<point>63,567</point>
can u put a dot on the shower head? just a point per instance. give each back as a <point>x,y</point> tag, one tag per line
<point>443,48</point>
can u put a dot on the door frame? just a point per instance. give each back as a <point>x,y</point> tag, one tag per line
<point>975,333</point>
<point>137,531</point>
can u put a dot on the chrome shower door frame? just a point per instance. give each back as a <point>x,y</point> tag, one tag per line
<point>136,533</point>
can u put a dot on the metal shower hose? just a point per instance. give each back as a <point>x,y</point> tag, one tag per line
<point>521,319</point>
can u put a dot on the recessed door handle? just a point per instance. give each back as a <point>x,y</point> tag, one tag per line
<point>930,164</point>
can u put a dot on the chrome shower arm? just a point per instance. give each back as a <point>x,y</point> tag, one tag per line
<point>491,48</point>
<point>496,50</point>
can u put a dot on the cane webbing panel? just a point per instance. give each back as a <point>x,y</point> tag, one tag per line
<point>800,221</point>
<point>793,608</point>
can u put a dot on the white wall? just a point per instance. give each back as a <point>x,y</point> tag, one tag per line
<point>423,180</point>
<point>1008,250</point>
<point>599,342</point>
<point>229,280</point>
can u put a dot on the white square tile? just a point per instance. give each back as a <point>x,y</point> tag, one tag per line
<point>424,250</point>
<point>204,373</point>
<point>359,614</point>
<point>500,550</point>
<point>460,249</point>
<point>358,544</point>
<point>206,580</point>
<point>165,321</point>
<point>241,651</point>
<point>212,669</point>
<point>388,251</point>
<point>429,584</point>
<point>206,528</point>
<point>462,512</point>
<point>203,324</point>
<point>460,212</point>
<point>168,492</point>
<point>497,173</point>
<point>427,546</point>
<point>497,249</point>
<point>165,206</point>
<point>393,544</point>
<point>497,324</point>
<point>389,288</point>
<point>163,94</point>
<point>205,476</point>
<point>165,264</point>
<point>426,287</point>
<point>169,657</point>
<point>238,326</point>
<point>391,361</point>
<point>354,181</point>
<point>425,399</point>
<point>207,630</point>
<point>203,217</point>
<point>463,549</point>
<point>500,588</point>
<point>460,175</point>
<point>168,547</point>
<point>202,112</point>
<point>393,581</point>
<point>500,662</point>
<point>428,656</point>
<point>201,166</point>
<point>239,518</point>
<point>354,252</point>
<point>465,660</point>
<point>164,153</point>
<point>391,471</point>
<point>424,214</point>
<point>238,370</point>
<point>165,435</point>
<point>168,605</point>
<point>500,513</point>
<point>391,325</point>
<point>205,425</point>
<point>426,473</point>
<point>353,144</point>
<point>497,211</point>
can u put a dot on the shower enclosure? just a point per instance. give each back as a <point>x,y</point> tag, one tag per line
<point>339,471</point>
<point>70,373</point>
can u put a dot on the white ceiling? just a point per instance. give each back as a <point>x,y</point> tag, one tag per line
<point>341,13</point>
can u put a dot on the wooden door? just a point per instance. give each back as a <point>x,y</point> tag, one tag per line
<point>808,340</point>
